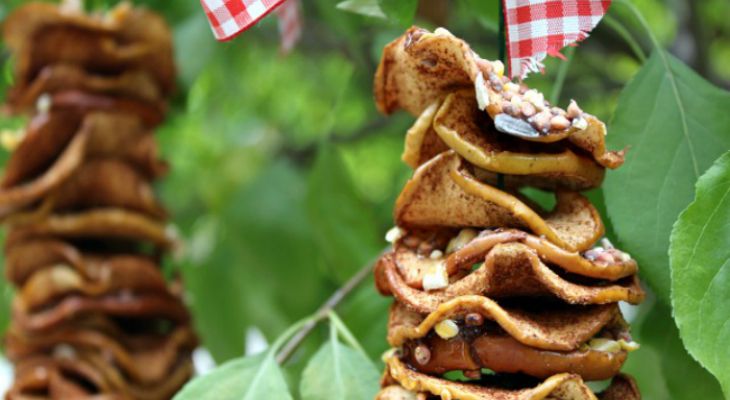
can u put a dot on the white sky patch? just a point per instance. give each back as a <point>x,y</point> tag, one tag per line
<point>255,341</point>
<point>6,376</point>
<point>629,311</point>
<point>203,361</point>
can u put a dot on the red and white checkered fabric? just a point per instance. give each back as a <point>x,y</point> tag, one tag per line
<point>538,28</point>
<point>228,18</point>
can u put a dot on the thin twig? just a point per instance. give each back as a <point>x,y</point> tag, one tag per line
<point>323,312</point>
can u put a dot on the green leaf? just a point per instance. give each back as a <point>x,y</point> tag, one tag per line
<point>369,8</point>
<point>253,261</point>
<point>662,350</point>
<point>399,11</point>
<point>250,378</point>
<point>337,372</point>
<point>676,125</point>
<point>344,228</point>
<point>700,261</point>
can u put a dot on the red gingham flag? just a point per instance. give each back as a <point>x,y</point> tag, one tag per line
<point>538,28</point>
<point>228,18</point>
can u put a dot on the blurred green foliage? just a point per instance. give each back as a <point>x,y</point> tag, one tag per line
<point>284,175</point>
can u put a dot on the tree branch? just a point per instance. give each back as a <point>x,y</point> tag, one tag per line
<point>298,338</point>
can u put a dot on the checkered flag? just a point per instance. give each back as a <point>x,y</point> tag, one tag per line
<point>539,28</point>
<point>228,18</point>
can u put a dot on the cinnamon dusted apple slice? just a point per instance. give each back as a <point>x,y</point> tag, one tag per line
<point>181,372</point>
<point>137,85</point>
<point>83,102</point>
<point>106,183</point>
<point>422,143</point>
<point>420,68</point>
<point>574,224</point>
<point>56,377</point>
<point>72,374</point>
<point>57,144</point>
<point>470,338</point>
<point>401,382</point>
<point>124,39</point>
<point>52,149</point>
<point>484,346</point>
<point>25,257</point>
<point>503,265</point>
<point>107,223</point>
<point>551,326</point>
<point>125,304</point>
<point>472,134</point>
<point>146,356</point>
<point>98,183</point>
<point>458,124</point>
<point>104,275</point>
<point>131,142</point>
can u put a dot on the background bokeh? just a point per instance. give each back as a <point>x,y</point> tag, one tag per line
<point>284,175</point>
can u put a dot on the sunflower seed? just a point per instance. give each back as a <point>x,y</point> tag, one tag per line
<point>514,126</point>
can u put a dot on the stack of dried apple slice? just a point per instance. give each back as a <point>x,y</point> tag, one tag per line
<point>93,314</point>
<point>497,297</point>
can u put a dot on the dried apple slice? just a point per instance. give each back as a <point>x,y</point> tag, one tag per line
<point>107,183</point>
<point>420,68</point>
<point>82,102</point>
<point>517,264</point>
<point>468,338</point>
<point>461,126</point>
<point>144,357</point>
<point>58,143</point>
<point>58,377</point>
<point>137,85</point>
<point>97,183</point>
<point>53,141</point>
<point>157,305</point>
<point>26,257</point>
<point>574,224</point>
<point>85,374</point>
<point>422,143</point>
<point>108,223</point>
<point>555,326</point>
<point>558,387</point>
<point>503,354</point>
<point>456,123</point>
<point>126,38</point>
<point>105,275</point>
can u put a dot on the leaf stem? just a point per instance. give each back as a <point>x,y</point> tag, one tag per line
<point>642,21</point>
<point>323,312</point>
<point>621,30</point>
<point>560,77</point>
<point>336,322</point>
<point>288,333</point>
